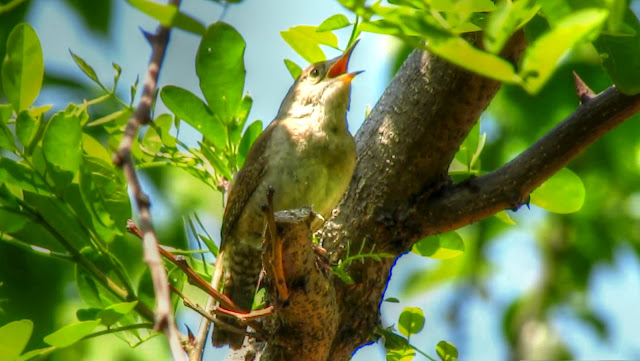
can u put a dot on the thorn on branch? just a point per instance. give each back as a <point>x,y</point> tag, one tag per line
<point>149,36</point>
<point>584,92</point>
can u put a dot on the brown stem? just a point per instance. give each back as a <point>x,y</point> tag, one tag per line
<point>164,318</point>
<point>192,276</point>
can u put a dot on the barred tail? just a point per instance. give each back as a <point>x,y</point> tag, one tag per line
<point>242,265</point>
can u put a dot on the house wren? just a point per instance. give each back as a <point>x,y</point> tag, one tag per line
<point>307,155</point>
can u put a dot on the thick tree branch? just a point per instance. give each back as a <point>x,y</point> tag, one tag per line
<point>510,185</point>
<point>404,150</point>
<point>164,318</point>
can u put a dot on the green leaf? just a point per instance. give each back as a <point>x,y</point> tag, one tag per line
<point>11,221</point>
<point>235,129</point>
<point>23,67</point>
<point>216,162</point>
<point>21,176</point>
<point>393,341</point>
<point>440,246</point>
<point>6,138</point>
<point>460,52</point>
<point>447,351</point>
<point>260,299</point>
<point>14,337</point>
<point>5,113</point>
<point>392,300</point>
<point>220,68</point>
<point>505,20</point>
<point>294,69</point>
<point>621,56</point>
<point>93,148</point>
<point>562,193</point>
<point>306,41</point>
<point>469,147</point>
<point>411,321</point>
<point>541,58</point>
<point>37,354</point>
<point>404,354</point>
<point>86,68</point>
<point>457,5</point>
<point>151,141</point>
<point>188,107</point>
<point>88,289</point>
<point>62,140</point>
<point>163,124</point>
<point>70,334</point>
<point>87,314</point>
<point>337,21</point>
<point>115,312</point>
<point>210,244</point>
<point>169,15</point>
<point>505,218</point>
<point>249,137</point>
<point>26,128</point>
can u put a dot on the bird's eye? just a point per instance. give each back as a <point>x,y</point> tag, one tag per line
<point>315,72</point>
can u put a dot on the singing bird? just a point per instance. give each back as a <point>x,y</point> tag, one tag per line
<point>307,155</point>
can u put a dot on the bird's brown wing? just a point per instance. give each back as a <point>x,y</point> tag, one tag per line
<point>246,182</point>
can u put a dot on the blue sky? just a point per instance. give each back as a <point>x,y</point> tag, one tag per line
<point>614,289</point>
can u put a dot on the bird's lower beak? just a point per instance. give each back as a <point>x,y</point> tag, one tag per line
<point>339,67</point>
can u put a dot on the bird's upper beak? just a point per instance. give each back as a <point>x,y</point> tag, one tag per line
<point>339,67</point>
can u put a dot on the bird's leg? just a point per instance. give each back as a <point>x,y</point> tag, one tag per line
<point>276,246</point>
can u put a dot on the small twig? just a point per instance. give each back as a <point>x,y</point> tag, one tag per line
<point>244,317</point>
<point>192,276</point>
<point>164,318</point>
<point>194,306</point>
<point>276,262</point>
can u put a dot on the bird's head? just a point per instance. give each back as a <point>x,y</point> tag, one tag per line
<point>321,86</point>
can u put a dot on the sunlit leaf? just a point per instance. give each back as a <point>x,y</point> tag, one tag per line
<point>235,128</point>
<point>562,193</point>
<point>541,58</point>
<point>411,321</point>
<point>37,354</point>
<point>26,128</point>
<point>188,107</point>
<point>505,20</point>
<point>249,137</point>
<point>447,351</point>
<point>334,22</point>
<point>294,69</point>
<point>505,218</point>
<point>440,246</point>
<point>115,312</point>
<point>14,337</point>
<point>70,334</point>
<point>163,124</point>
<point>220,68</point>
<point>460,52</point>
<point>306,41</point>
<point>61,144</point>
<point>21,176</point>
<point>169,15</point>
<point>403,354</point>
<point>86,68</point>
<point>23,67</point>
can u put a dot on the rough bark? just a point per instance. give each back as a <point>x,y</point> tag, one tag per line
<point>401,191</point>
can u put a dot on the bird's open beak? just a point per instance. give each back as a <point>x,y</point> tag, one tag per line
<point>339,67</point>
